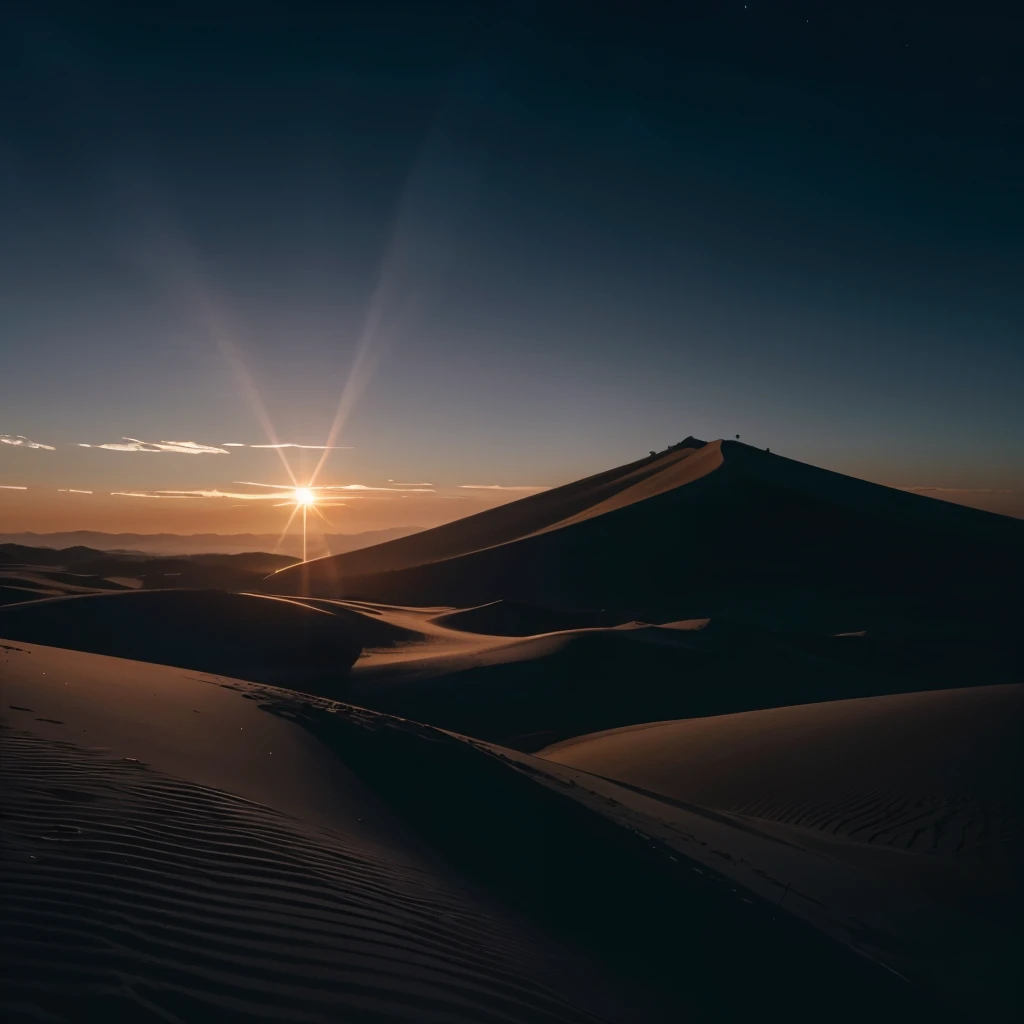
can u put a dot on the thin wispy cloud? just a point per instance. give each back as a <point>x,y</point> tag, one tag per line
<point>20,441</point>
<point>133,444</point>
<point>209,493</point>
<point>71,490</point>
<point>316,447</point>
<point>500,487</point>
<point>143,494</point>
<point>395,483</point>
<point>279,495</point>
<point>324,489</point>
<point>396,488</point>
<point>286,492</point>
<point>12,487</point>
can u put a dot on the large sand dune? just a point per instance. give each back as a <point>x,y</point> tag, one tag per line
<point>643,539</point>
<point>171,852</point>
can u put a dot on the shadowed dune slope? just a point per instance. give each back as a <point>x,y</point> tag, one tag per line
<point>250,636</point>
<point>632,539</point>
<point>939,772</point>
<point>513,618</point>
<point>528,692</point>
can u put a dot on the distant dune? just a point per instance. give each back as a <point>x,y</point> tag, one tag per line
<point>27,572</point>
<point>205,543</point>
<point>245,635</point>
<point>640,540</point>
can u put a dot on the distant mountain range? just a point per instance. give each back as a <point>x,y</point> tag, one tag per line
<point>208,543</point>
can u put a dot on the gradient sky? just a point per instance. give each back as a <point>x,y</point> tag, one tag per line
<point>502,244</point>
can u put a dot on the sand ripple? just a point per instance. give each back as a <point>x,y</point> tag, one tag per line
<point>133,895</point>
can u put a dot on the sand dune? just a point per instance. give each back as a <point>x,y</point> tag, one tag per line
<point>940,772</point>
<point>692,898</point>
<point>514,618</point>
<point>648,539</point>
<point>527,692</point>
<point>895,821</point>
<point>92,567</point>
<point>172,849</point>
<point>246,635</point>
<point>172,852</point>
<point>19,583</point>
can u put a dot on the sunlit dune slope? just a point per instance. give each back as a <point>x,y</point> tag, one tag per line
<point>632,538</point>
<point>939,772</point>
<point>251,636</point>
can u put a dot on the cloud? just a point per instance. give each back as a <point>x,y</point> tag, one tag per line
<point>396,484</point>
<point>232,444</point>
<point>321,489</point>
<point>180,447</point>
<point>20,441</point>
<point>208,493</point>
<point>283,493</point>
<point>398,488</point>
<point>71,490</point>
<point>500,487</point>
<point>12,487</point>
<point>145,494</point>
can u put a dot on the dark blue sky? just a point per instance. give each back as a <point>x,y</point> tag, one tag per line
<point>536,239</point>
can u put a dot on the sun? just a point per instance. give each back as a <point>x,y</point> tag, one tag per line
<point>304,496</point>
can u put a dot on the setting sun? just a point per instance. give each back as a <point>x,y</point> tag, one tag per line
<point>304,496</point>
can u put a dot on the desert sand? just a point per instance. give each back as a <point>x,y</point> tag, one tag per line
<point>247,635</point>
<point>173,852</point>
<point>940,772</point>
<point>27,572</point>
<point>899,817</point>
<point>776,720</point>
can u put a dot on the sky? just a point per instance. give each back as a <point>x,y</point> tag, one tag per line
<point>484,249</point>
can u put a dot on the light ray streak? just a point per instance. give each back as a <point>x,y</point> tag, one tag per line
<point>287,526</point>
